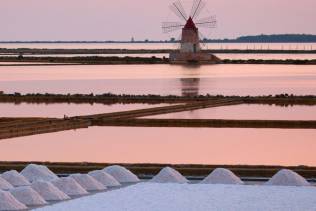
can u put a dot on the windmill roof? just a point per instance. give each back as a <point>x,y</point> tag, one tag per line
<point>190,24</point>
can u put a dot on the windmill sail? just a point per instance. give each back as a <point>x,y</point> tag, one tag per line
<point>171,26</point>
<point>208,22</point>
<point>197,8</point>
<point>178,10</point>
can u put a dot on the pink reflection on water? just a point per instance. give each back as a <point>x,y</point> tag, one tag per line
<point>167,145</point>
<point>246,111</point>
<point>61,109</point>
<point>161,79</point>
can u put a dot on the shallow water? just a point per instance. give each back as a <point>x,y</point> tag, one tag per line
<point>242,46</point>
<point>161,79</point>
<point>167,145</point>
<point>61,109</point>
<point>247,112</point>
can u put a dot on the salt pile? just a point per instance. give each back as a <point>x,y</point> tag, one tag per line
<point>15,178</point>
<point>48,191</point>
<point>121,174</point>
<point>38,173</point>
<point>88,182</point>
<point>222,176</point>
<point>28,196</point>
<point>4,185</point>
<point>104,178</point>
<point>70,187</point>
<point>287,177</point>
<point>169,175</point>
<point>8,202</point>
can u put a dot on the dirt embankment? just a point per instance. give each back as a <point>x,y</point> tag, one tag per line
<point>152,169</point>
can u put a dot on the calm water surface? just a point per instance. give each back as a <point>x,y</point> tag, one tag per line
<point>246,111</point>
<point>161,79</point>
<point>61,109</point>
<point>167,145</point>
<point>244,46</point>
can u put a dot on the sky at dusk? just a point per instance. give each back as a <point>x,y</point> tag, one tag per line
<point>122,19</point>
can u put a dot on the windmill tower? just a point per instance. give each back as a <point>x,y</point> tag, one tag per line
<point>190,45</point>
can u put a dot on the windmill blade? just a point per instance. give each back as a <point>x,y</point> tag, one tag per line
<point>208,22</point>
<point>171,26</point>
<point>202,40</point>
<point>197,7</point>
<point>178,10</point>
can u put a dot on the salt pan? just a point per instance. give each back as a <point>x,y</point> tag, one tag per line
<point>5,185</point>
<point>48,191</point>
<point>88,182</point>
<point>121,174</point>
<point>8,202</point>
<point>222,176</point>
<point>38,173</point>
<point>15,178</point>
<point>28,196</point>
<point>104,178</point>
<point>169,175</point>
<point>287,177</point>
<point>70,187</point>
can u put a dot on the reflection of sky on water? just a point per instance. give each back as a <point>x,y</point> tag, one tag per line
<point>167,145</point>
<point>161,79</point>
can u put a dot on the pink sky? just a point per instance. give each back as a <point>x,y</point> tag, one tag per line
<point>122,19</point>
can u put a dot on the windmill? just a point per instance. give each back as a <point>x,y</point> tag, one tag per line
<point>190,49</point>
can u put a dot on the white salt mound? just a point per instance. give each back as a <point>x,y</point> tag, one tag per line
<point>5,185</point>
<point>8,202</point>
<point>48,191</point>
<point>222,176</point>
<point>70,187</point>
<point>38,173</point>
<point>104,178</point>
<point>169,175</point>
<point>15,178</point>
<point>121,174</point>
<point>28,196</point>
<point>287,177</point>
<point>88,182</point>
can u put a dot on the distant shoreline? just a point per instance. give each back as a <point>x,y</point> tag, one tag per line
<point>274,38</point>
<point>114,60</point>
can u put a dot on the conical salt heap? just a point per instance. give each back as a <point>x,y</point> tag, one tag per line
<point>121,174</point>
<point>287,177</point>
<point>5,185</point>
<point>34,173</point>
<point>70,187</point>
<point>104,178</point>
<point>88,182</point>
<point>169,175</point>
<point>28,196</point>
<point>222,176</point>
<point>48,191</point>
<point>8,202</point>
<point>15,178</point>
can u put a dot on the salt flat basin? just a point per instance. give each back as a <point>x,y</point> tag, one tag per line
<point>157,197</point>
<point>58,110</point>
<point>167,145</point>
<point>247,112</point>
<point>161,79</point>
